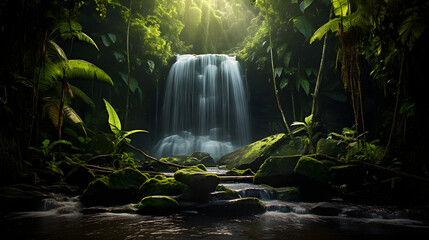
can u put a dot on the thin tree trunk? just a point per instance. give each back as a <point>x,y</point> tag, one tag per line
<point>319,74</point>
<point>395,115</point>
<point>276,90</point>
<point>128,62</point>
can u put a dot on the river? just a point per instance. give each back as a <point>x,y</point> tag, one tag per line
<point>62,218</point>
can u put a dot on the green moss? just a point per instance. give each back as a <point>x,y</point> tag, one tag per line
<point>330,147</point>
<point>237,172</point>
<point>157,205</point>
<point>182,160</point>
<point>313,170</point>
<point>226,193</point>
<point>166,186</point>
<point>120,187</point>
<point>277,171</point>
<point>253,155</point>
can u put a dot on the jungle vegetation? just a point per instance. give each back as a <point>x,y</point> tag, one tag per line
<point>311,54</point>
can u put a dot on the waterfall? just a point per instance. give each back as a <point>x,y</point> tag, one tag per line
<point>205,107</point>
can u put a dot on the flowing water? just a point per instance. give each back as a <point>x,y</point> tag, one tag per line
<point>205,107</point>
<point>62,218</point>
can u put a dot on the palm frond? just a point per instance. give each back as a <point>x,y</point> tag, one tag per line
<point>73,116</point>
<point>68,30</point>
<point>55,52</point>
<point>81,95</point>
<point>332,25</point>
<point>85,70</point>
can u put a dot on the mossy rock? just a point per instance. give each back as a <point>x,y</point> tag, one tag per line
<point>158,205</point>
<point>234,208</point>
<point>224,193</point>
<point>200,183</point>
<point>237,172</point>
<point>290,194</point>
<point>166,186</point>
<point>314,178</point>
<point>120,187</point>
<point>253,155</point>
<point>101,144</point>
<point>330,147</point>
<point>80,176</point>
<point>289,148</point>
<point>204,158</point>
<point>181,160</point>
<point>277,171</point>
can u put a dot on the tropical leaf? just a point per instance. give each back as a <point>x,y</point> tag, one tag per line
<point>304,26</point>
<point>51,73</point>
<point>284,83</point>
<point>127,133</point>
<point>340,7</point>
<point>278,71</point>
<point>70,114</point>
<point>320,32</point>
<point>411,29</point>
<point>85,38</point>
<point>114,122</point>
<point>68,30</point>
<point>106,41</point>
<point>55,53</point>
<point>287,58</point>
<point>82,96</point>
<point>304,5</point>
<point>112,37</point>
<point>85,70</point>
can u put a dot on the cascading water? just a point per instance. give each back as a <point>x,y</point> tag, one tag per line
<point>205,107</point>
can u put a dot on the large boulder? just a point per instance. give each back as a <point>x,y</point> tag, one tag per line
<point>314,178</point>
<point>200,183</point>
<point>330,147</point>
<point>277,171</point>
<point>253,155</point>
<point>162,186</point>
<point>237,207</point>
<point>119,187</point>
<point>158,205</point>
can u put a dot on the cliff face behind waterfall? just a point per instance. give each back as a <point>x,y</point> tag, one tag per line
<point>205,107</point>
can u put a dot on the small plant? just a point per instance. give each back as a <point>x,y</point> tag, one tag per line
<point>47,148</point>
<point>115,126</point>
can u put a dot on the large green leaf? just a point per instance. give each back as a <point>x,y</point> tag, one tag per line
<point>81,95</point>
<point>114,122</point>
<point>278,71</point>
<point>340,7</point>
<point>85,70</point>
<point>331,25</point>
<point>304,26</point>
<point>411,29</point>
